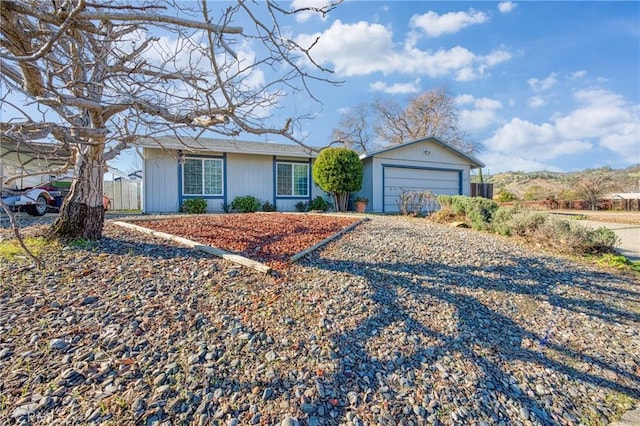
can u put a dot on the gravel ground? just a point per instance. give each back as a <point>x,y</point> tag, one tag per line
<point>399,322</point>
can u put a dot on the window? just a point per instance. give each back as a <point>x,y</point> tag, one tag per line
<point>292,179</point>
<point>202,177</point>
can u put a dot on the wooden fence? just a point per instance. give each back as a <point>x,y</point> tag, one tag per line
<point>484,190</point>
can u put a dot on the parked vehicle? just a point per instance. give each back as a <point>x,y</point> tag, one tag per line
<point>35,201</point>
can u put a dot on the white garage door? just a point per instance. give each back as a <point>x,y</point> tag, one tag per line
<point>397,179</point>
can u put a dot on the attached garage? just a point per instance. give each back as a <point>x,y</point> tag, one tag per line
<point>401,178</point>
<point>424,165</point>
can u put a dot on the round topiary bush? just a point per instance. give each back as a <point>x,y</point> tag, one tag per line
<point>338,171</point>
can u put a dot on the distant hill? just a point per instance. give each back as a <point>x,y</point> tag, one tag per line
<point>543,184</point>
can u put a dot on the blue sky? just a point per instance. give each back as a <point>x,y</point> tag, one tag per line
<point>541,85</point>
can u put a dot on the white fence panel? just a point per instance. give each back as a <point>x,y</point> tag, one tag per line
<point>123,194</point>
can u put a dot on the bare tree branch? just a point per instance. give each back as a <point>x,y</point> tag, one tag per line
<point>16,233</point>
<point>97,78</point>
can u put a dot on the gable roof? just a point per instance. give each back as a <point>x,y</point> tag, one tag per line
<point>475,163</point>
<point>202,145</point>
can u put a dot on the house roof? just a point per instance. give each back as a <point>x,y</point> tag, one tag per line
<point>475,163</point>
<point>202,145</point>
<point>33,155</point>
<point>622,195</point>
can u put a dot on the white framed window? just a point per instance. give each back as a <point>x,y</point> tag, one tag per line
<point>202,176</point>
<point>292,179</point>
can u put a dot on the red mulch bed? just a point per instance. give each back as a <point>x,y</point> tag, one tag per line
<point>269,238</point>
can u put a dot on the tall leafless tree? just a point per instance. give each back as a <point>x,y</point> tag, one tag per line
<point>354,129</point>
<point>96,77</point>
<point>386,122</point>
<point>594,184</point>
<point>432,113</point>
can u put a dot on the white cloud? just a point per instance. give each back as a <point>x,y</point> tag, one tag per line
<point>506,6</point>
<point>577,75</point>
<point>540,142</point>
<point>363,48</point>
<point>601,118</point>
<point>536,102</point>
<point>606,117</point>
<point>353,49</point>
<point>396,88</point>
<point>497,162</point>
<point>480,116</point>
<point>305,15</point>
<point>464,99</point>
<point>544,84</point>
<point>435,25</point>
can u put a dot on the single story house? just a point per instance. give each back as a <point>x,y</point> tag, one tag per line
<point>219,170</point>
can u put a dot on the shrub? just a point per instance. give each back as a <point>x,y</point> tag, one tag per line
<point>575,238</point>
<point>602,240</point>
<point>194,205</point>
<point>413,202</point>
<point>319,203</point>
<point>268,207</point>
<point>246,204</point>
<point>338,171</point>
<point>446,215</point>
<point>505,196</point>
<point>501,218</point>
<point>301,206</point>
<point>478,210</point>
<point>445,200</point>
<point>520,222</point>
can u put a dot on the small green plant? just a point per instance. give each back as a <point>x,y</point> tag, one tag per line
<point>11,248</point>
<point>268,207</point>
<point>246,204</point>
<point>226,208</point>
<point>618,261</point>
<point>301,206</point>
<point>319,203</point>
<point>195,205</point>
<point>81,243</point>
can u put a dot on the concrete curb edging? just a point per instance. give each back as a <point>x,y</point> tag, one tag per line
<point>316,246</point>
<point>261,267</point>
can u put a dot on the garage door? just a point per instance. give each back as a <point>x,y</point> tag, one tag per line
<point>397,179</point>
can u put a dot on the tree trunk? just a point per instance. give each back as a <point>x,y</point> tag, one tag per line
<point>82,213</point>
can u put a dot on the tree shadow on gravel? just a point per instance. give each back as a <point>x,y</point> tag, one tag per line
<point>485,337</point>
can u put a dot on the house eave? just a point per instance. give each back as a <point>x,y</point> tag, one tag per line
<point>474,162</point>
<point>201,146</point>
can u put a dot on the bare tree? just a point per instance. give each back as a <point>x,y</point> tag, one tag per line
<point>594,185</point>
<point>355,129</point>
<point>96,77</point>
<point>432,113</point>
